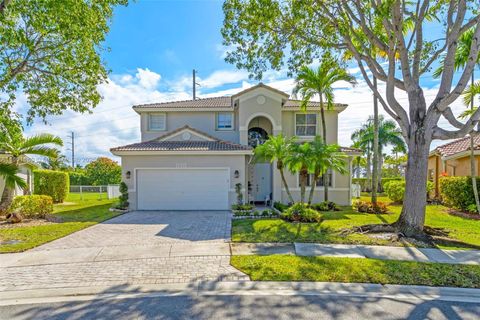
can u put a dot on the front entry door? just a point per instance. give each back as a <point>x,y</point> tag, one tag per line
<point>262,182</point>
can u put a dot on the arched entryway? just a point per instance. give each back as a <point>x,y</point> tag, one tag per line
<point>260,184</point>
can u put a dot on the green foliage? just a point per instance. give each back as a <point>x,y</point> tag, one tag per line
<point>123,196</point>
<point>103,171</point>
<point>243,207</point>
<point>365,183</point>
<point>55,184</point>
<point>32,206</point>
<point>457,192</point>
<point>9,171</point>
<point>325,206</point>
<point>280,206</point>
<point>78,178</point>
<point>300,212</point>
<point>51,53</point>
<point>266,213</point>
<point>395,190</point>
<point>369,207</point>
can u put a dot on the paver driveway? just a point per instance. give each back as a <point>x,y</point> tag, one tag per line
<point>150,228</point>
<point>137,247</point>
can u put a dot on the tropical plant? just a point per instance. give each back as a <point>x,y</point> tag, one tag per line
<point>58,162</point>
<point>388,133</point>
<point>319,82</point>
<point>301,212</point>
<point>323,157</point>
<point>18,147</point>
<point>258,33</point>
<point>298,161</point>
<point>277,148</point>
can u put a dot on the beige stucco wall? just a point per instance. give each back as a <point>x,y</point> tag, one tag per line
<point>339,192</point>
<point>331,119</point>
<point>234,162</point>
<point>203,121</point>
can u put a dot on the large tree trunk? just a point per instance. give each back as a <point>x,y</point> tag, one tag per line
<point>412,219</point>
<point>376,155</point>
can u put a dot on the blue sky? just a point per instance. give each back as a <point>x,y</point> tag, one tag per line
<point>153,47</point>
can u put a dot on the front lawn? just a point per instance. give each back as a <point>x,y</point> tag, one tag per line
<point>328,231</point>
<point>326,269</point>
<point>75,214</point>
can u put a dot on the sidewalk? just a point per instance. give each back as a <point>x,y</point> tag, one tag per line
<point>360,251</point>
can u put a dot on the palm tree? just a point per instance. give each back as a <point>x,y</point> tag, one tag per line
<point>461,59</point>
<point>312,82</point>
<point>388,133</point>
<point>298,161</point>
<point>13,143</point>
<point>323,157</point>
<point>58,162</point>
<point>277,148</point>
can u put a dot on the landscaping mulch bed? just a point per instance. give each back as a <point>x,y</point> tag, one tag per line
<point>50,219</point>
<point>473,216</point>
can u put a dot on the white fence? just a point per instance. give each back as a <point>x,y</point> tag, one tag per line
<point>356,190</point>
<point>110,191</point>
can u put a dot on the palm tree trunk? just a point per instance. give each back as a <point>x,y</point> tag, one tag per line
<point>369,170</point>
<point>284,181</point>
<point>473,173</point>
<point>312,188</point>
<point>375,146</point>
<point>303,183</point>
<point>7,194</point>
<point>324,136</point>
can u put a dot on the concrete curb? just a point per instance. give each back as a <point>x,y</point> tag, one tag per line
<point>213,288</point>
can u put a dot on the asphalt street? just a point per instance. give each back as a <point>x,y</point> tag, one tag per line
<point>247,307</point>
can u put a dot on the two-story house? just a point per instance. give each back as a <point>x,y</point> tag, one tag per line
<point>193,153</point>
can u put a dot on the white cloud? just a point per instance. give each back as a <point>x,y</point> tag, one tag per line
<point>147,78</point>
<point>222,77</point>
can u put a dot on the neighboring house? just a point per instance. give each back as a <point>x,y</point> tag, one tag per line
<point>453,159</point>
<point>25,173</point>
<point>194,152</point>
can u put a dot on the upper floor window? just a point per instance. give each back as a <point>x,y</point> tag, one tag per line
<point>224,121</point>
<point>156,121</point>
<point>306,124</point>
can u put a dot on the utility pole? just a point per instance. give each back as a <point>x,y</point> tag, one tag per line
<point>194,84</point>
<point>72,136</point>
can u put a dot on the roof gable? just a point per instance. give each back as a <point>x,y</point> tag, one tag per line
<point>186,133</point>
<point>261,86</point>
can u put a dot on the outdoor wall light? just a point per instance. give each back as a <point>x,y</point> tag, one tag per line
<point>236,174</point>
<point>127,174</point>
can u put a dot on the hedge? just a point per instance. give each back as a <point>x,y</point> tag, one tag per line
<point>457,192</point>
<point>32,206</point>
<point>78,178</point>
<point>395,189</point>
<point>365,184</point>
<point>55,184</point>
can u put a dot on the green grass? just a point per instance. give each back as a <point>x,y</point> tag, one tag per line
<point>76,214</point>
<point>328,231</point>
<point>294,268</point>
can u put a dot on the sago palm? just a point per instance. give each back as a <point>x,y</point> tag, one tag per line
<point>277,148</point>
<point>18,147</point>
<point>323,157</point>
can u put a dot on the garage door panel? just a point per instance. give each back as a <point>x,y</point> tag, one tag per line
<point>182,189</point>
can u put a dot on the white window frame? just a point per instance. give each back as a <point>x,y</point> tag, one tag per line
<point>306,125</point>
<point>224,129</point>
<point>149,123</point>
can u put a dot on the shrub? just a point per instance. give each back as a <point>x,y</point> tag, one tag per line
<point>78,178</point>
<point>266,213</point>
<point>32,206</point>
<point>238,191</point>
<point>457,192</point>
<point>242,207</point>
<point>123,196</point>
<point>256,213</point>
<point>280,206</point>
<point>51,183</point>
<point>300,212</point>
<point>365,184</point>
<point>369,207</point>
<point>325,206</point>
<point>395,189</point>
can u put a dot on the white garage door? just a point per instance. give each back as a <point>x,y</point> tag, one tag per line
<point>182,189</point>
